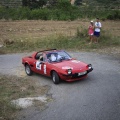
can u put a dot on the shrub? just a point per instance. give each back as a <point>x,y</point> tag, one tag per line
<point>115,14</point>
<point>81,33</point>
<point>59,12</point>
<point>34,3</point>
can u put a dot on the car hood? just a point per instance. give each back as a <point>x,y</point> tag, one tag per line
<point>75,65</point>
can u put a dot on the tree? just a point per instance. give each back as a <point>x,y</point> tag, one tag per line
<point>34,3</point>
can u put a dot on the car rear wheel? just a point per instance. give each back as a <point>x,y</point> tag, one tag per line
<point>55,78</point>
<point>28,70</point>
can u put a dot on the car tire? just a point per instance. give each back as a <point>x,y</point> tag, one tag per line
<point>28,70</point>
<point>55,77</point>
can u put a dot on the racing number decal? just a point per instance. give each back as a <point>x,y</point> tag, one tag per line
<point>38,65</point>
<point>44,69</point>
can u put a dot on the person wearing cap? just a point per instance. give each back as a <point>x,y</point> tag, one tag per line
<point>97,30</point>
<point>91,31</point>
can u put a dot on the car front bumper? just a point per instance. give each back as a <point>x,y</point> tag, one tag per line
<point>75,76</point>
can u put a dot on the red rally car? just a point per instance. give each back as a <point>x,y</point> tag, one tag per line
<point>57,64</point>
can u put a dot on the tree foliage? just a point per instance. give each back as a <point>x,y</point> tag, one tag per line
<point>59,10</point>
<point>34,3</point>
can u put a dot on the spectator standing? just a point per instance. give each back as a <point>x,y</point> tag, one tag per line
<point>97,30</point>
<point>91,31</point>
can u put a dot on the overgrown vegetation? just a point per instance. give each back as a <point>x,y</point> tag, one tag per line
<point>12,88</point>
<point>78,42</point>
<point>32,4</point>
<point>63,10</point>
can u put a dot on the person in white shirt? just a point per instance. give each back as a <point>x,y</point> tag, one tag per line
<point>53,58</point>
<point>97,30</point>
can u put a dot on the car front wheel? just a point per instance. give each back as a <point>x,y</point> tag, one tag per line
<point>55,78</point>
<point>28,70</point>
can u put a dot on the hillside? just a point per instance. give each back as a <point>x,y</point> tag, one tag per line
<point>112,4</point>
<point>63,10</point>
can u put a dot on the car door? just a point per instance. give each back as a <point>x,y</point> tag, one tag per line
<point>45,66</point>
<point>42,66</point>
<point>39,64</point>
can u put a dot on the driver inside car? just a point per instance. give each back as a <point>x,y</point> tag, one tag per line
<point>53,57</point>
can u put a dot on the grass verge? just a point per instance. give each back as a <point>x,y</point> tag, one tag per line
<point>12,88</point>
<point>78,42</point>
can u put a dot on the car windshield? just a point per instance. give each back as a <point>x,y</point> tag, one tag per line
<point>58,56</point>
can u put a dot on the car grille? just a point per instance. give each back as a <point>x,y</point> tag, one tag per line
<point>76,75</point>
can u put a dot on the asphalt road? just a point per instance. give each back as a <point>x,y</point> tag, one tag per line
<point>97,97</point>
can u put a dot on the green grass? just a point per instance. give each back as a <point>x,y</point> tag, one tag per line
<point>62,12</point>
<point>78,42</point>
<point>12,88</point>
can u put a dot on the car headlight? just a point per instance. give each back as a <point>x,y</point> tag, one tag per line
<point>69,71</point>
<point>89,66</point>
